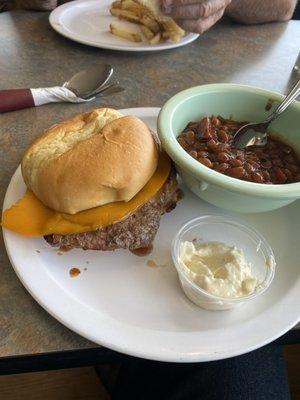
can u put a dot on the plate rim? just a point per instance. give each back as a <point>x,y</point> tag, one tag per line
<point>164,354</point>
<point>56,25</point>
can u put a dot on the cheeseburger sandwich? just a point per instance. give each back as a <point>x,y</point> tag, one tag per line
<point>97,181</point>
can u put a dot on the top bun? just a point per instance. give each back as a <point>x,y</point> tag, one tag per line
<point>90,160</point>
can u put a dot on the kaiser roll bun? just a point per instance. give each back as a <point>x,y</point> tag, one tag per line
<point>92,159</point>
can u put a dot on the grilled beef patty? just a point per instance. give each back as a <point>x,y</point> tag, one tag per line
<point>136,231</point>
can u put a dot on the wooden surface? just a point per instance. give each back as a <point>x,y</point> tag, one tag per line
<point>292,358</point>
<point>84,383</point>
<point>67,384</point>
<point>33,55</point>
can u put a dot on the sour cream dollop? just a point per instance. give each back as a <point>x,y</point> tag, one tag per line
<point>218,268</point>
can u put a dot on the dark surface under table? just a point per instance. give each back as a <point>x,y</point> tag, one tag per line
<point>94,356</point>
<point>33,55</point>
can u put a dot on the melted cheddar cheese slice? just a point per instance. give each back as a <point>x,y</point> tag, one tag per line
<point>30,217</point>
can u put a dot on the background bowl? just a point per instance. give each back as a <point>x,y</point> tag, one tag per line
<point>242,103</point>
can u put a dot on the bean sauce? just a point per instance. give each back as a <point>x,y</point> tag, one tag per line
<point>210,141</point>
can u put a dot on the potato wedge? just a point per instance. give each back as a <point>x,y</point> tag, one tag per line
<point>116,4</point>
<point>124,14</point>
<point>131,6</point>
<point>174,31</point>
<point>170,25</point>
<point>150,23</point>
<point>125,34</point>
<point>147,32</point>
<point>155,39</point>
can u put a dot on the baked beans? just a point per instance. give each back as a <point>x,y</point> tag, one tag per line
<point>210,141</point>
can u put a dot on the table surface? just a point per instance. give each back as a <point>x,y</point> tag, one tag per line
<point>33,55</point>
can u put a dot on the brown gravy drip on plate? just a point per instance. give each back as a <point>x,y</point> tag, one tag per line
<point>74,272</point>
<point>151,264</point>
<point>142,251</point>
<point>64,249</point>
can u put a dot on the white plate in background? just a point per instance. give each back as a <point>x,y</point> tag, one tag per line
<point>87,22</point>
<point>123,304</point>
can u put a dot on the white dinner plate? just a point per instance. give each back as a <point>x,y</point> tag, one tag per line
<point>122,303</point>
<point>87,22</point>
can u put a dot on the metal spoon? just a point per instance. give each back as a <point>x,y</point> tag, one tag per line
<point>255,134</point>
<point>101,89</point>
<point>89,81</point>
<point>109,90</point>
<point>85,85</point>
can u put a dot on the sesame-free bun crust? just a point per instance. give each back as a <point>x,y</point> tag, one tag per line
<point>92,159</point>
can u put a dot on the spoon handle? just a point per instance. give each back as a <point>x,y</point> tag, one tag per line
<point>15,99</point>
<point>293,94</point>
<point>110,91</point>
<point>101,89</point>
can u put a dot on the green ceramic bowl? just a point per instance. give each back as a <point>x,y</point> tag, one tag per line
<point>242,103</point>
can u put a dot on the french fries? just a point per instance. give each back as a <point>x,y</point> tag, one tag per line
<point>174,31</point>
<point>147,32</point>
<point>150,23</point>
<point>116,4</point>
<point>124,14</point>
<point>125,34</point>
<point>153,29</point>
<point>130,5</point>
<point>165,35</point>
<point>155,39</point>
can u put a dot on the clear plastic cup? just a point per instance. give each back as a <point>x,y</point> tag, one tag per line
<point>233,232</point>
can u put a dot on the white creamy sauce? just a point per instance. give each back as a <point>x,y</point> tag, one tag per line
<point>217,268</point>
